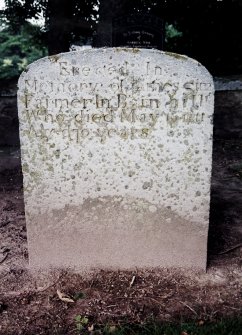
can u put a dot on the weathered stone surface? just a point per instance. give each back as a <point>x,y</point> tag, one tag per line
<point>116,155</point>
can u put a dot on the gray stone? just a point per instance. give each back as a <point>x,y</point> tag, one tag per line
<point>116,154</point>
<point>232,83</point>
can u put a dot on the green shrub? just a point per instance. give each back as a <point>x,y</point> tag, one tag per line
<point>19,50</point>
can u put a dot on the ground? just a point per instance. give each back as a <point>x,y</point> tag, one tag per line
<point>31,305</point>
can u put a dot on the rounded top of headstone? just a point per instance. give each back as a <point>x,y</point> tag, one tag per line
<point>169,59</point>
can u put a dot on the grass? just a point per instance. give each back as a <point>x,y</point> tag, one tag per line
<point>221,327</point>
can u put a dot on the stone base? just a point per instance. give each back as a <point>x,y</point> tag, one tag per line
<point>115,233</point>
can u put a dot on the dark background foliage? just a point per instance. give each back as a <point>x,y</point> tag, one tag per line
<point>207,30</point>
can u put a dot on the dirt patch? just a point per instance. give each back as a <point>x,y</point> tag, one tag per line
<point>30,304</point>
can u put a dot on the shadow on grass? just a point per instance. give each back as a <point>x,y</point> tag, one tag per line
<point>221,327</point>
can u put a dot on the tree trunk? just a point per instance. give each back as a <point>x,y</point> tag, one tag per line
<point>59,25</point>
<point>108,10</point>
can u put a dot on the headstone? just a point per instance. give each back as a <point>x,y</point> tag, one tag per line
<point>138,31</point>
<point>116,156</point>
